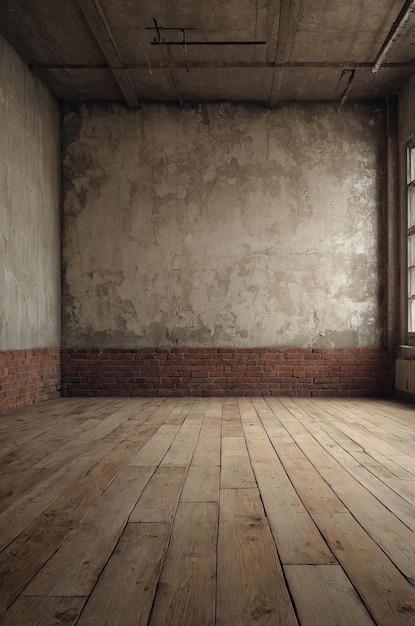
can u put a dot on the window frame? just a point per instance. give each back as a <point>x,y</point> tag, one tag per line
<point>410,236</point>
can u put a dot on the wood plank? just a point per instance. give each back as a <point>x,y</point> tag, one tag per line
<point>270,422</point>
<point>186,591</point>
<point>117,426</point>
<point>125,591</point>
<point>251,587</point>
<point>215,409</point>
<point>232,428</point>
<point>74,499</point>
<point>236,471</point>
<point>156,447</point>
<point>181,450</point>
<point>323,596</point>
<point>389,597</point>
<point>375,422</point>
<point>74,569</point>
<point>314,492</point>
<point>207,451</point>
<point>380,489</point>
<point>73,504</point>
<point>380,449</point>
<point>242,506</point>
<point>53,432</point>
<point>158,502</point>
<point>180,412</point>
<point>296,536</point>
<point>231,420</point>
<point>43,611</point>
<point>295,533</point>
<point>21,513</point>
<point>392,535</point>
<point>201,484</point>
<point>20,561</point>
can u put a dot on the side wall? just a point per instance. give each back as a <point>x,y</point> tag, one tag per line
<point>224,227</point>
<point>29,236</point>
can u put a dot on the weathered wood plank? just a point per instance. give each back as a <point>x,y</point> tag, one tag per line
<point>74,569</point>
<point>384,526</point>
<point>125,591</point>
<point>181,450</point>
<point>315,493</point>
<point>389,597</point>
<point>20,561</point>
<point>43,611</point>
<point>250,587</point>
<point>201,484</point>
<point>186,591</point>
<point>207,451</point>
<point>323,596</point>
<point>156,447</point>
<point>295,534</point>
<point>158,502</point>
<point>236,471</point>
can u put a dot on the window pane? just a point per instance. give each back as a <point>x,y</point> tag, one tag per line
<point>411,206</point>
<point>411,250</point>
<point>411,282</point>
<point>410,165</point>
<point>411,316</point>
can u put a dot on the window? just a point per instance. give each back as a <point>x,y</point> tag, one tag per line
<point>410,233</point>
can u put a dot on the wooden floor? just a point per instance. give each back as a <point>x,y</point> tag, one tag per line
<point>197,512</point>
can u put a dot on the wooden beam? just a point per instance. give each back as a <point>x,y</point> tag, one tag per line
<point>98,24</point>
<point>289,14</point>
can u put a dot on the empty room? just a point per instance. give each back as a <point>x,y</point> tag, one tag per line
<point>207,313</point>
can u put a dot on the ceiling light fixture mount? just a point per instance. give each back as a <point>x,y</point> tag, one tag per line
<point>160,41</point>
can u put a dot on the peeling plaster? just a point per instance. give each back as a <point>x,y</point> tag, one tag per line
<point>223,225</point>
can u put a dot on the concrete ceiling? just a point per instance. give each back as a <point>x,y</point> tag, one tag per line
<point>315,49</point>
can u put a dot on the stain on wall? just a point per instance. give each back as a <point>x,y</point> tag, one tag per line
<point>29,208</point>
<point>223,225</point>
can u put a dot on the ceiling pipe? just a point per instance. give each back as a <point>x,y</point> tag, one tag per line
<point>395,32</point>
<point>159,41</point>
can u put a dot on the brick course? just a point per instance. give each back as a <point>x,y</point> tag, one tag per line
<point>28,376</point>
<point>227,371</point>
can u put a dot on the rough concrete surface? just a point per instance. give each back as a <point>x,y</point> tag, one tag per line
<point>223,225</point>
<point>29,208</point>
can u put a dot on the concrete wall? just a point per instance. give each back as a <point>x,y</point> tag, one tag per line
<point>224,225</point>
<point>29,208</point>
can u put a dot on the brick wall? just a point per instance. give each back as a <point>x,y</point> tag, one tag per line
<point>28,376</point>
<point>227,371</point>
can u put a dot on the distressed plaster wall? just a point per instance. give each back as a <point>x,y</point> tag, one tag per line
<point>223,225</point>
<point>29,208</point>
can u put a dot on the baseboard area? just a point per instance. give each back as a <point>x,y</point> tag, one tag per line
<point>227,372</point>
<point>28,377</point>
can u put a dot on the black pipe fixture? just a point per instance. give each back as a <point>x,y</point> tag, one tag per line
<point>159,41</point>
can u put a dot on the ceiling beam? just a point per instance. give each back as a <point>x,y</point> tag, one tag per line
<point>96,20</point>
<point>290,11</point>
<point>228,64</point>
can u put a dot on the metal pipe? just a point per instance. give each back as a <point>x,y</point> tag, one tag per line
<point>158,41</point>
<point>207,43</point>
<point>395,32</point>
